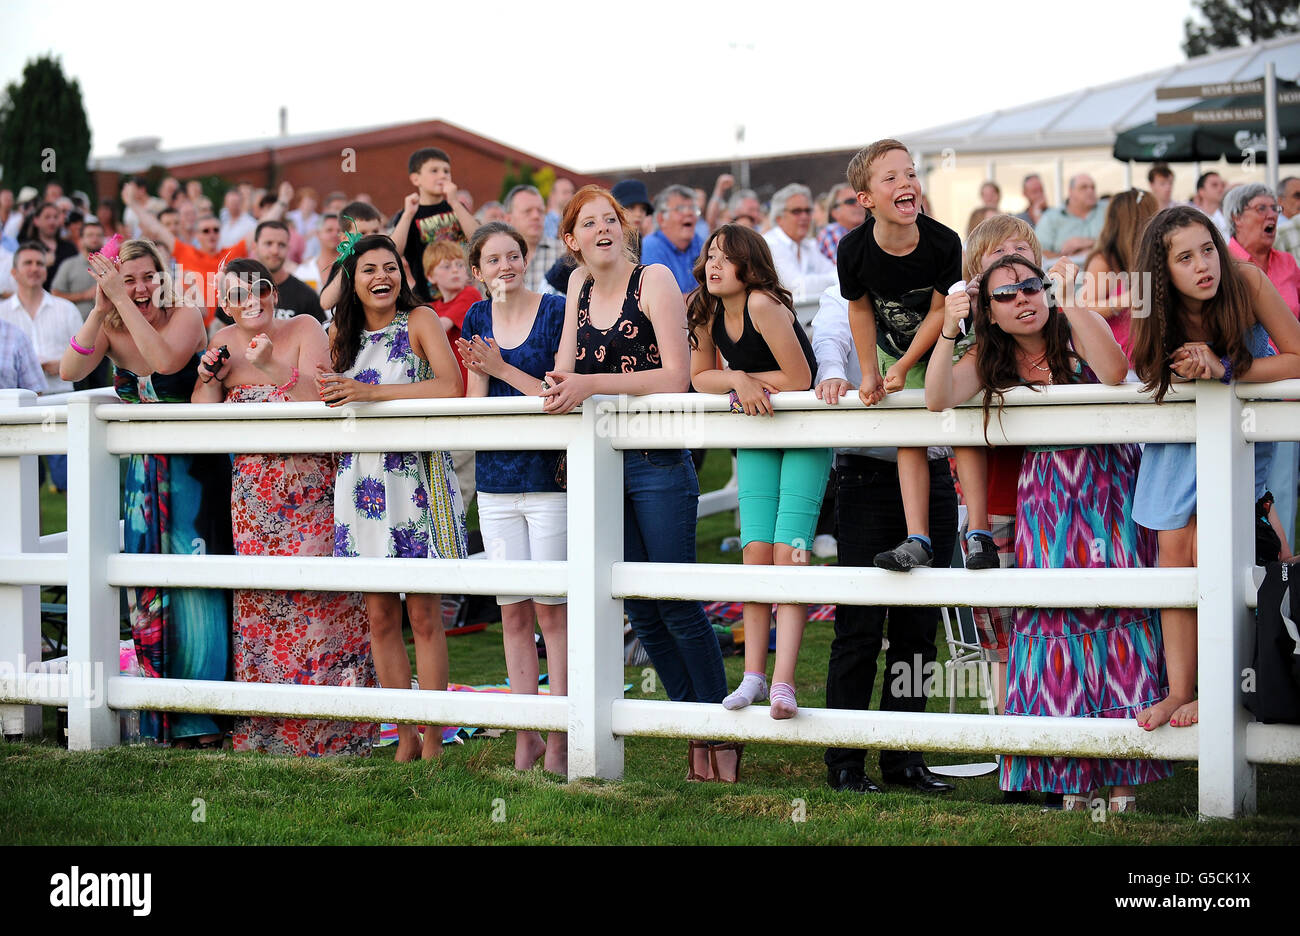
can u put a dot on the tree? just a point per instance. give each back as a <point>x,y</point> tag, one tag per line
<point>44,135</point>
<point>1232,23</point>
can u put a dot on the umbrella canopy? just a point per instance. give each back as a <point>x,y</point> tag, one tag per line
<point>1207,142</point>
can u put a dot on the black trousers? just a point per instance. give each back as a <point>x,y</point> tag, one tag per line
<point>869,519</point>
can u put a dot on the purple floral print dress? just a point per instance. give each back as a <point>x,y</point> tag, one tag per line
<point>403,505</point>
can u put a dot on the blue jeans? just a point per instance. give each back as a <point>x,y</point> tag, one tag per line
<point>660,494</point>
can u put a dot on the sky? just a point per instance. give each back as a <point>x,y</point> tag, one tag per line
<point>586,85</point>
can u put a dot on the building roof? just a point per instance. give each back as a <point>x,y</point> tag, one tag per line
<point>142,154</point>
<point>1093,116</point>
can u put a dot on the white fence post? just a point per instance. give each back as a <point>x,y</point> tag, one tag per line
<point>20,605</point>
<point>1225,545</point>
<point>94,506</point>
<point>595,483</point>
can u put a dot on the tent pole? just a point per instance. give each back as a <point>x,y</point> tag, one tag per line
<point>1270,123</point>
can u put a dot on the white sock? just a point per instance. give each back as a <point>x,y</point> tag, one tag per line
<point>753,688</point>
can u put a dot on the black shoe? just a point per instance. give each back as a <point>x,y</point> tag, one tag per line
<point>920,779</point>
<point>1053,801</point>
<point>981,552</point>
<point>906,556</point>
<point>850,780</point>
<point>1015,798</point>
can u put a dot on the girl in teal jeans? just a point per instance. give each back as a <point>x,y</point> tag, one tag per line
<point>741,311</point>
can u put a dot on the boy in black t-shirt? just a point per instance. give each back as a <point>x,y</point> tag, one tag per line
<point>895,271</point>
<point>430,213</point>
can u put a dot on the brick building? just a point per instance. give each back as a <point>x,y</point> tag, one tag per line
<point>370,160</point>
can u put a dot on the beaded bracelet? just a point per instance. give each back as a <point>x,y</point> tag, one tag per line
<point>1227,369</point>
<point>293,380</point>
<point>78,348</point>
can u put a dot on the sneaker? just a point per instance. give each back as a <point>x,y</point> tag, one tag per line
<point>905,556</point>
<point>981,552</point>
<point>825,547</point>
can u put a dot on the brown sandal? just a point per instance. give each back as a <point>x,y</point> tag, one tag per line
<point>736,746</point>
<point>692,747</point>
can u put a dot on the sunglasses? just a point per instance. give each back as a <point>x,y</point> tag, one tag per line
<point>238,295</point>
<point>209,230</point>
<point>1030,287</point>
<point>846,202</point>
<point>799,211</point>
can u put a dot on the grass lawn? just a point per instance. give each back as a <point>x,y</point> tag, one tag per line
<point>141,795</point>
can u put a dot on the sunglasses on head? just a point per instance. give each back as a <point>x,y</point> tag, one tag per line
<point>1030,287</point>
<point>238,295</point>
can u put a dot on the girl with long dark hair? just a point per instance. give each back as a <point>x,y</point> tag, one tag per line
<point>1209,318</point>
<point>384,345</point>
<point>741,311</point>
<point>1074,510</point>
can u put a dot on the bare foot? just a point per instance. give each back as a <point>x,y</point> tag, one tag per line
<point>432,747</point>
<point>408,744</point>
<point>529,748</point>
<point>1188,714</point>
<point>557,753</point>
<point>1155,716</point>
<point>726,757</point>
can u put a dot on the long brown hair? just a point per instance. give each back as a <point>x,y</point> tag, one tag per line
<point>1225,318</point>
<point>349,314</point>
<point>747,250</point>
<point>996,361</point>
<point>1121,233</point>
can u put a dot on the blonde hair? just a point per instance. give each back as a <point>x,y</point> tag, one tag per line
<point>439,251</point>
<point>165,294</point>
<point>988,234</point>
<point>859,171</point>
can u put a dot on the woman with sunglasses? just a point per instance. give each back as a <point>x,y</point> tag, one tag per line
<point>384,345</point>
<point>1074,510</point>
<point>171,503</point>
<point>283,505</point>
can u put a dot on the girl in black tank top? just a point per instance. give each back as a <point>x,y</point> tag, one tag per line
<point>742,312</point>
<point>625,332</point>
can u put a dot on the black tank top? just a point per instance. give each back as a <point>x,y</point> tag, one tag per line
<point>751,353</point>
<point>626,346</point>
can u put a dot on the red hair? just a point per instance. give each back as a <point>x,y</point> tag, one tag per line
<point>582,197</point>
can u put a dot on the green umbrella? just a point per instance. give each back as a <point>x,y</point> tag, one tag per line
<point>1209,141</point>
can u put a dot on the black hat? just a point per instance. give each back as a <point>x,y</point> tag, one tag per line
<point>631,192</point>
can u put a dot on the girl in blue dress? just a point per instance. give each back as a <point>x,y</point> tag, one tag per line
<point>1210,318</point>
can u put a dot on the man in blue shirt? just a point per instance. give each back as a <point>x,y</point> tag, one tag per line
<point>679,238</point>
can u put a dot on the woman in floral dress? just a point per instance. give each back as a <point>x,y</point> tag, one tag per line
<point>283,505</point>
<point>385,346</point>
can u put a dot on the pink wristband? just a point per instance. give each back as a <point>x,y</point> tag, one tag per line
<point>78,348</point>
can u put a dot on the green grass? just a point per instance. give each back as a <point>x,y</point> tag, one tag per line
<point>146,796</point>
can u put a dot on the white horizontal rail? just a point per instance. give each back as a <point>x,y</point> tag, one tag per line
<point>34,688</point>
<point>346,703</point>
<point>908,731</point>
<point>34,568</point>
<point>1033,588</point>
<point>291,573</point>
<point>1272,744</point>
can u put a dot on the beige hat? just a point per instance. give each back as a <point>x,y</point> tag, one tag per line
<point>26,194</point>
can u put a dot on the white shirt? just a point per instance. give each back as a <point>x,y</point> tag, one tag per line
<point>7,284</point>
<point>237,230</point>
<point>837,359</point>
<point>56,321</point>
<point>1219,220</point>
<point>804,270</point>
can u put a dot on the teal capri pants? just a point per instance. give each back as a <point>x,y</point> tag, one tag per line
<point>780,494</point>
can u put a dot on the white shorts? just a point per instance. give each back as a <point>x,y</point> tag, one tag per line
<point>524,526</point>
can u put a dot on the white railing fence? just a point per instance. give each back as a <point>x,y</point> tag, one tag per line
<point>95,431</point>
